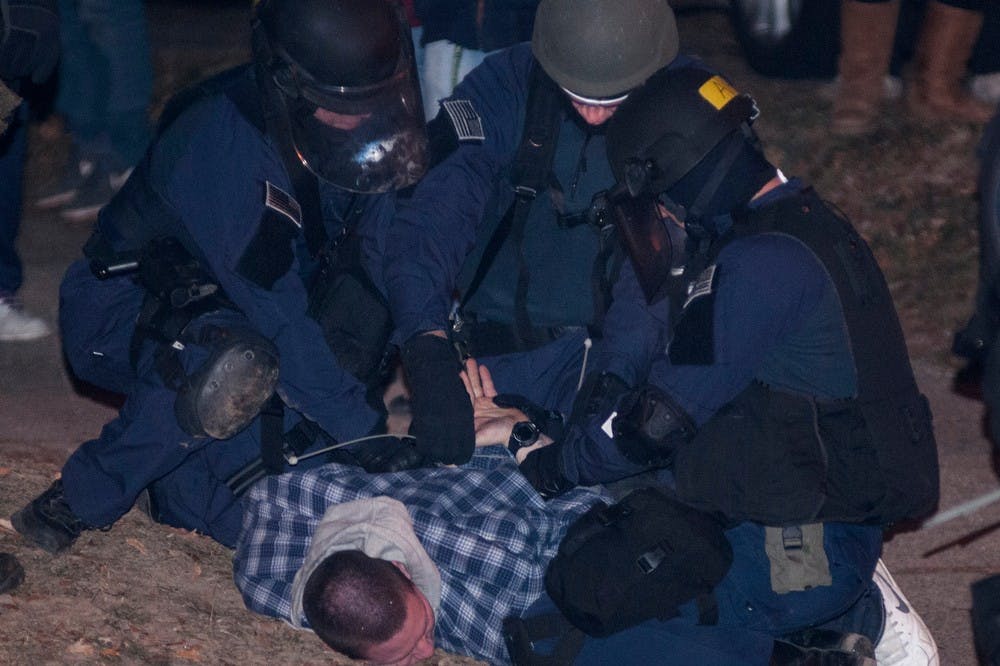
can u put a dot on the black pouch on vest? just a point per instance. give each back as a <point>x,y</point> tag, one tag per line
<point>759,458</point>
<point>353,314</point>
<point>636,560</point>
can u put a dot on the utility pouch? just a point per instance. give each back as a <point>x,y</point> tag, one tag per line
<point>636,560</point>
<point>352,312</point>
<point>650,426</point>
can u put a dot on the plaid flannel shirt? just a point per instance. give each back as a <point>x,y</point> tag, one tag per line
<point>490,534</point>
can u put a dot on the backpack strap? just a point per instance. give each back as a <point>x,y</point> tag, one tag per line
<point>529,175</point>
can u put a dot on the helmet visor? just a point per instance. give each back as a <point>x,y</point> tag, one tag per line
<point>367,139</point>
<point>648,240</point>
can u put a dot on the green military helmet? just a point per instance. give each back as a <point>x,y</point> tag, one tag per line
<point>600,49</point>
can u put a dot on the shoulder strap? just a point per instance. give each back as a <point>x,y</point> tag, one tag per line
<point>529,174</point>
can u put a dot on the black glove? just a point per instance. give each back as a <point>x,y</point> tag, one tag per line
<point>29,39</point>
<point>598,396</point>
<point>442,410</point>
<point>389,454</point>
<point>541,469</point>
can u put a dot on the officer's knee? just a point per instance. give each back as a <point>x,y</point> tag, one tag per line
<point>228,391</point>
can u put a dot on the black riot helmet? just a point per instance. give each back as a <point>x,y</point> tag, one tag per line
<point>682,141</point>
<point>669,125</point>
<point>339,80</point>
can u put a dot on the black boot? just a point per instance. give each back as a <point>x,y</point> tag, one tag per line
<point>820,647</point>
<point>48,522</point>
<point>11,572</point>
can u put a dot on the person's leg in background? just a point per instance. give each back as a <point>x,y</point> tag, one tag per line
<point>867,33</point>
<point>105,85</point>
<point>15,323</point>
<point>948,35</point>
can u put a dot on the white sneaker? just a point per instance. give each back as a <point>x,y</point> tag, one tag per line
<point>16,324</point>
<point>986,87</point>
<point>905,640</point>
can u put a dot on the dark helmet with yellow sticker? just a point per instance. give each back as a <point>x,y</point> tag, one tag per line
<point>682,141</point>
<point>671,123</point>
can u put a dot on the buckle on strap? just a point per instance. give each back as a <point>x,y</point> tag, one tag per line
<point>525,192</point>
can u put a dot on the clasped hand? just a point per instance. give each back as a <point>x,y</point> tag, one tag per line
<point>493,424</point>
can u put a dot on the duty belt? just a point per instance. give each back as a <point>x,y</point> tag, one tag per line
<point>477,338</point>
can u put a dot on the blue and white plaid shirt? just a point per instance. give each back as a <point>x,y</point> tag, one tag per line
<point>490,534</point>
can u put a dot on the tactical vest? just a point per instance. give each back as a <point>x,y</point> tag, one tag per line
<point>530,177</point>
<point>782,458</point>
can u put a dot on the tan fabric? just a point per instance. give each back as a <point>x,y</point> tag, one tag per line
<point>867,32</point>
<point>947,38</point>
<point>797,566</point>
<point>379,527</point>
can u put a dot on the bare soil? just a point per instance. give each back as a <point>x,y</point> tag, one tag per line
<point>147,594</point>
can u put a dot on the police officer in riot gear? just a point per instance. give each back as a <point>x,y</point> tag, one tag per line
<point>785,402</point>
<point>502,219</point>
<point>227,288</point>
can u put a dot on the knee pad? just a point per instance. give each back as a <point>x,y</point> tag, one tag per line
<point>229,389</point>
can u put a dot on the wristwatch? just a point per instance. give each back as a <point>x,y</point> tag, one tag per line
<point>525,433</point>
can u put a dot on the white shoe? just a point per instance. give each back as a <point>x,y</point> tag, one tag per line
<point>986,87</point>
<point>16,324</point>
<point>905,640</point>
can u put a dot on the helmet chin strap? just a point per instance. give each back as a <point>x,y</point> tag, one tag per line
<point>695,212</point>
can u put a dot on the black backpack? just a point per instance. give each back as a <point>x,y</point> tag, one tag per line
<point>639,559</point>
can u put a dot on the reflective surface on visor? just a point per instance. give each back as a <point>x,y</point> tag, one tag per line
<point>382,148</point>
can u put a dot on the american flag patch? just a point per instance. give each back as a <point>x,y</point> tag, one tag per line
<point>283,203</point>
<point>467,123</point>
<point>702,286</point>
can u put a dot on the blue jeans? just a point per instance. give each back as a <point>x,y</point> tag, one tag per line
<point>105,76</point>
<point>751,614</point>
<point>12,150</point>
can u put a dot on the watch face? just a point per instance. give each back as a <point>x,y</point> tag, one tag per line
<point>525,433</point>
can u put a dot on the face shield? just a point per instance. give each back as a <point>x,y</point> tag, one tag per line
<point>367,139</point>
<point>654,244</point>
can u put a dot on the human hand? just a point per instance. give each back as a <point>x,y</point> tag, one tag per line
<point>493,424</point>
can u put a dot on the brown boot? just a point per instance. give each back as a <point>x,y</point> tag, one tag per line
<point>943,50</point>
<point>867,31</point>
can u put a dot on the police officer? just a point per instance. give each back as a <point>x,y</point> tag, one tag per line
<point>502,217</point>
<point>785,401</point>
<point>257,176</point>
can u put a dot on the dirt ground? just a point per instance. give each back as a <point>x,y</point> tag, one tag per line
<point>146,594</point>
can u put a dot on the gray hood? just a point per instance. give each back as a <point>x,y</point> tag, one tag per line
<point>379,527</point>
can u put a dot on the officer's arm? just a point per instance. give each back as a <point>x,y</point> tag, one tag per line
<point>633,333</point>
<point>435,229</point>
<point>222,206</point>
